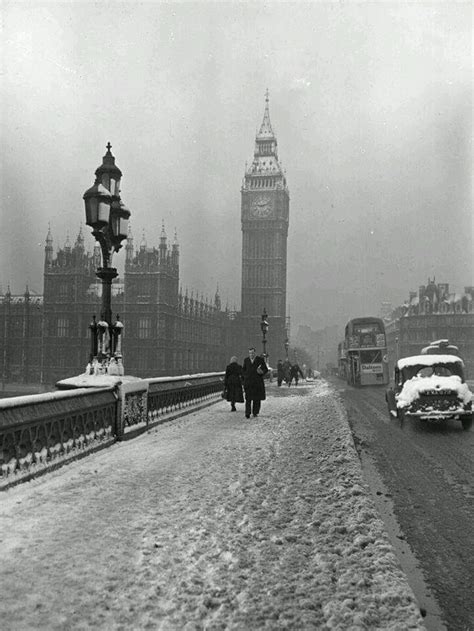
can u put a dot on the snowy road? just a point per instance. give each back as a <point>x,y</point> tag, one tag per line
<point>211,521</point>
<point>427,471</point>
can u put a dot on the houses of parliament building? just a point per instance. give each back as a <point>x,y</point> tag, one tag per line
<point>166,332</point>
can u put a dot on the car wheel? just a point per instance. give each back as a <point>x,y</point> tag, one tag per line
<point>391,403</point>
<point>467,423</point>
<point>401,416</point>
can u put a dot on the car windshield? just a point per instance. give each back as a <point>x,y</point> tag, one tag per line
<point>440,370</point>
<point>429,371</point>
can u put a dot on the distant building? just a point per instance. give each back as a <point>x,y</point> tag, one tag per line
<point>21,337</point>
<point>386,310</point>
<point>265,201</point>
<point>45,338</point>
<point>71,295</point>
<point>321,345</point>
<point>166,331</point>
<point>430,314</point>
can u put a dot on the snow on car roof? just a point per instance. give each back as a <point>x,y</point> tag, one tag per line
<point>428,360</point>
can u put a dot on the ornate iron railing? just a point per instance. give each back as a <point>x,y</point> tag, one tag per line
<point>40,432</point>
<point>171,394</point>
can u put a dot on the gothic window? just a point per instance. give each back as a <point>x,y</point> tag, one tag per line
<point>35,327</point>
<point>142,361</point>
<point>63,290</point>
<point>161,327</point>
<point>62,327</point>
<point>144,328</point>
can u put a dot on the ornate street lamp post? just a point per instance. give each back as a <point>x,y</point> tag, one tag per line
<point>108,218</point>
<point>264,328</point>
<point>287,346</point>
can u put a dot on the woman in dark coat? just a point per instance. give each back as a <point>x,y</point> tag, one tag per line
<point>233,383</point>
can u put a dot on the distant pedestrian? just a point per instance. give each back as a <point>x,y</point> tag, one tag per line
<point>233,383</point>
<point>295,371</point>
<point>254,369</point>
<point>286,370</point>
<point>280,372</point>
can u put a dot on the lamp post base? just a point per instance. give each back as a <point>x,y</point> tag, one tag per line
<point>105,366</point>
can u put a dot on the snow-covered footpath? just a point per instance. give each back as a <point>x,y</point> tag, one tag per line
<point>210,521</point>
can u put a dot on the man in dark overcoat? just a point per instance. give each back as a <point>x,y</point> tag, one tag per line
<point>254,369</point>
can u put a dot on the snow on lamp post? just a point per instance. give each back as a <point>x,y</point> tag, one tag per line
<point>264,328</point>
<point>108,217</point>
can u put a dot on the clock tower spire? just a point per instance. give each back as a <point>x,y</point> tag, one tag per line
<point>264,216</point>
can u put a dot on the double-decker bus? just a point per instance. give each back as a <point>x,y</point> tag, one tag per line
<point>365,345</point>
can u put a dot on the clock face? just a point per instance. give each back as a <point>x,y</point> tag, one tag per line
<point>261,206</point>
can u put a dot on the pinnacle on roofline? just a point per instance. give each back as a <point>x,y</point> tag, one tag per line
<point>266,130</point>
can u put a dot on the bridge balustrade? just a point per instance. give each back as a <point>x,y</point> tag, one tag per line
<point>43,431</point>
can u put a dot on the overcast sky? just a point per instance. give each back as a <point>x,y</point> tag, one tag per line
<point>371,103</point>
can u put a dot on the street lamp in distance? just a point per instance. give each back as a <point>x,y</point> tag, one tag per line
<point>287,346</point>
<point>264,329</point>
<point>108,217</point>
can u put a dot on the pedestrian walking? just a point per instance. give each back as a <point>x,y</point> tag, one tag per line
<point>233,383</point>
<point>280,372</point>
<point>254,369</point>
<point>295,371</point>
<point>286,370</point>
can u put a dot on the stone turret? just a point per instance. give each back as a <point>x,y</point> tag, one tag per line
<point>48,250</point>
<point>217,299</point>
<point>79,245</point>
<point>129,247</point>
<point>163,242</point>
<point>175,249</point>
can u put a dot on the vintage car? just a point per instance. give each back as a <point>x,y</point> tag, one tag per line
<point>430,388</point>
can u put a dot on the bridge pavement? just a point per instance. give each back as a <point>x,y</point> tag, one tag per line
<point>210,521</point>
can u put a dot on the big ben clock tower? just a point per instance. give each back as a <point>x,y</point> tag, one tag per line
<point>264,215</point>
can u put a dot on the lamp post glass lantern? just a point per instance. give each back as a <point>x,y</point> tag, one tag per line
<point>264,329</point>
<point>108,217</point>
